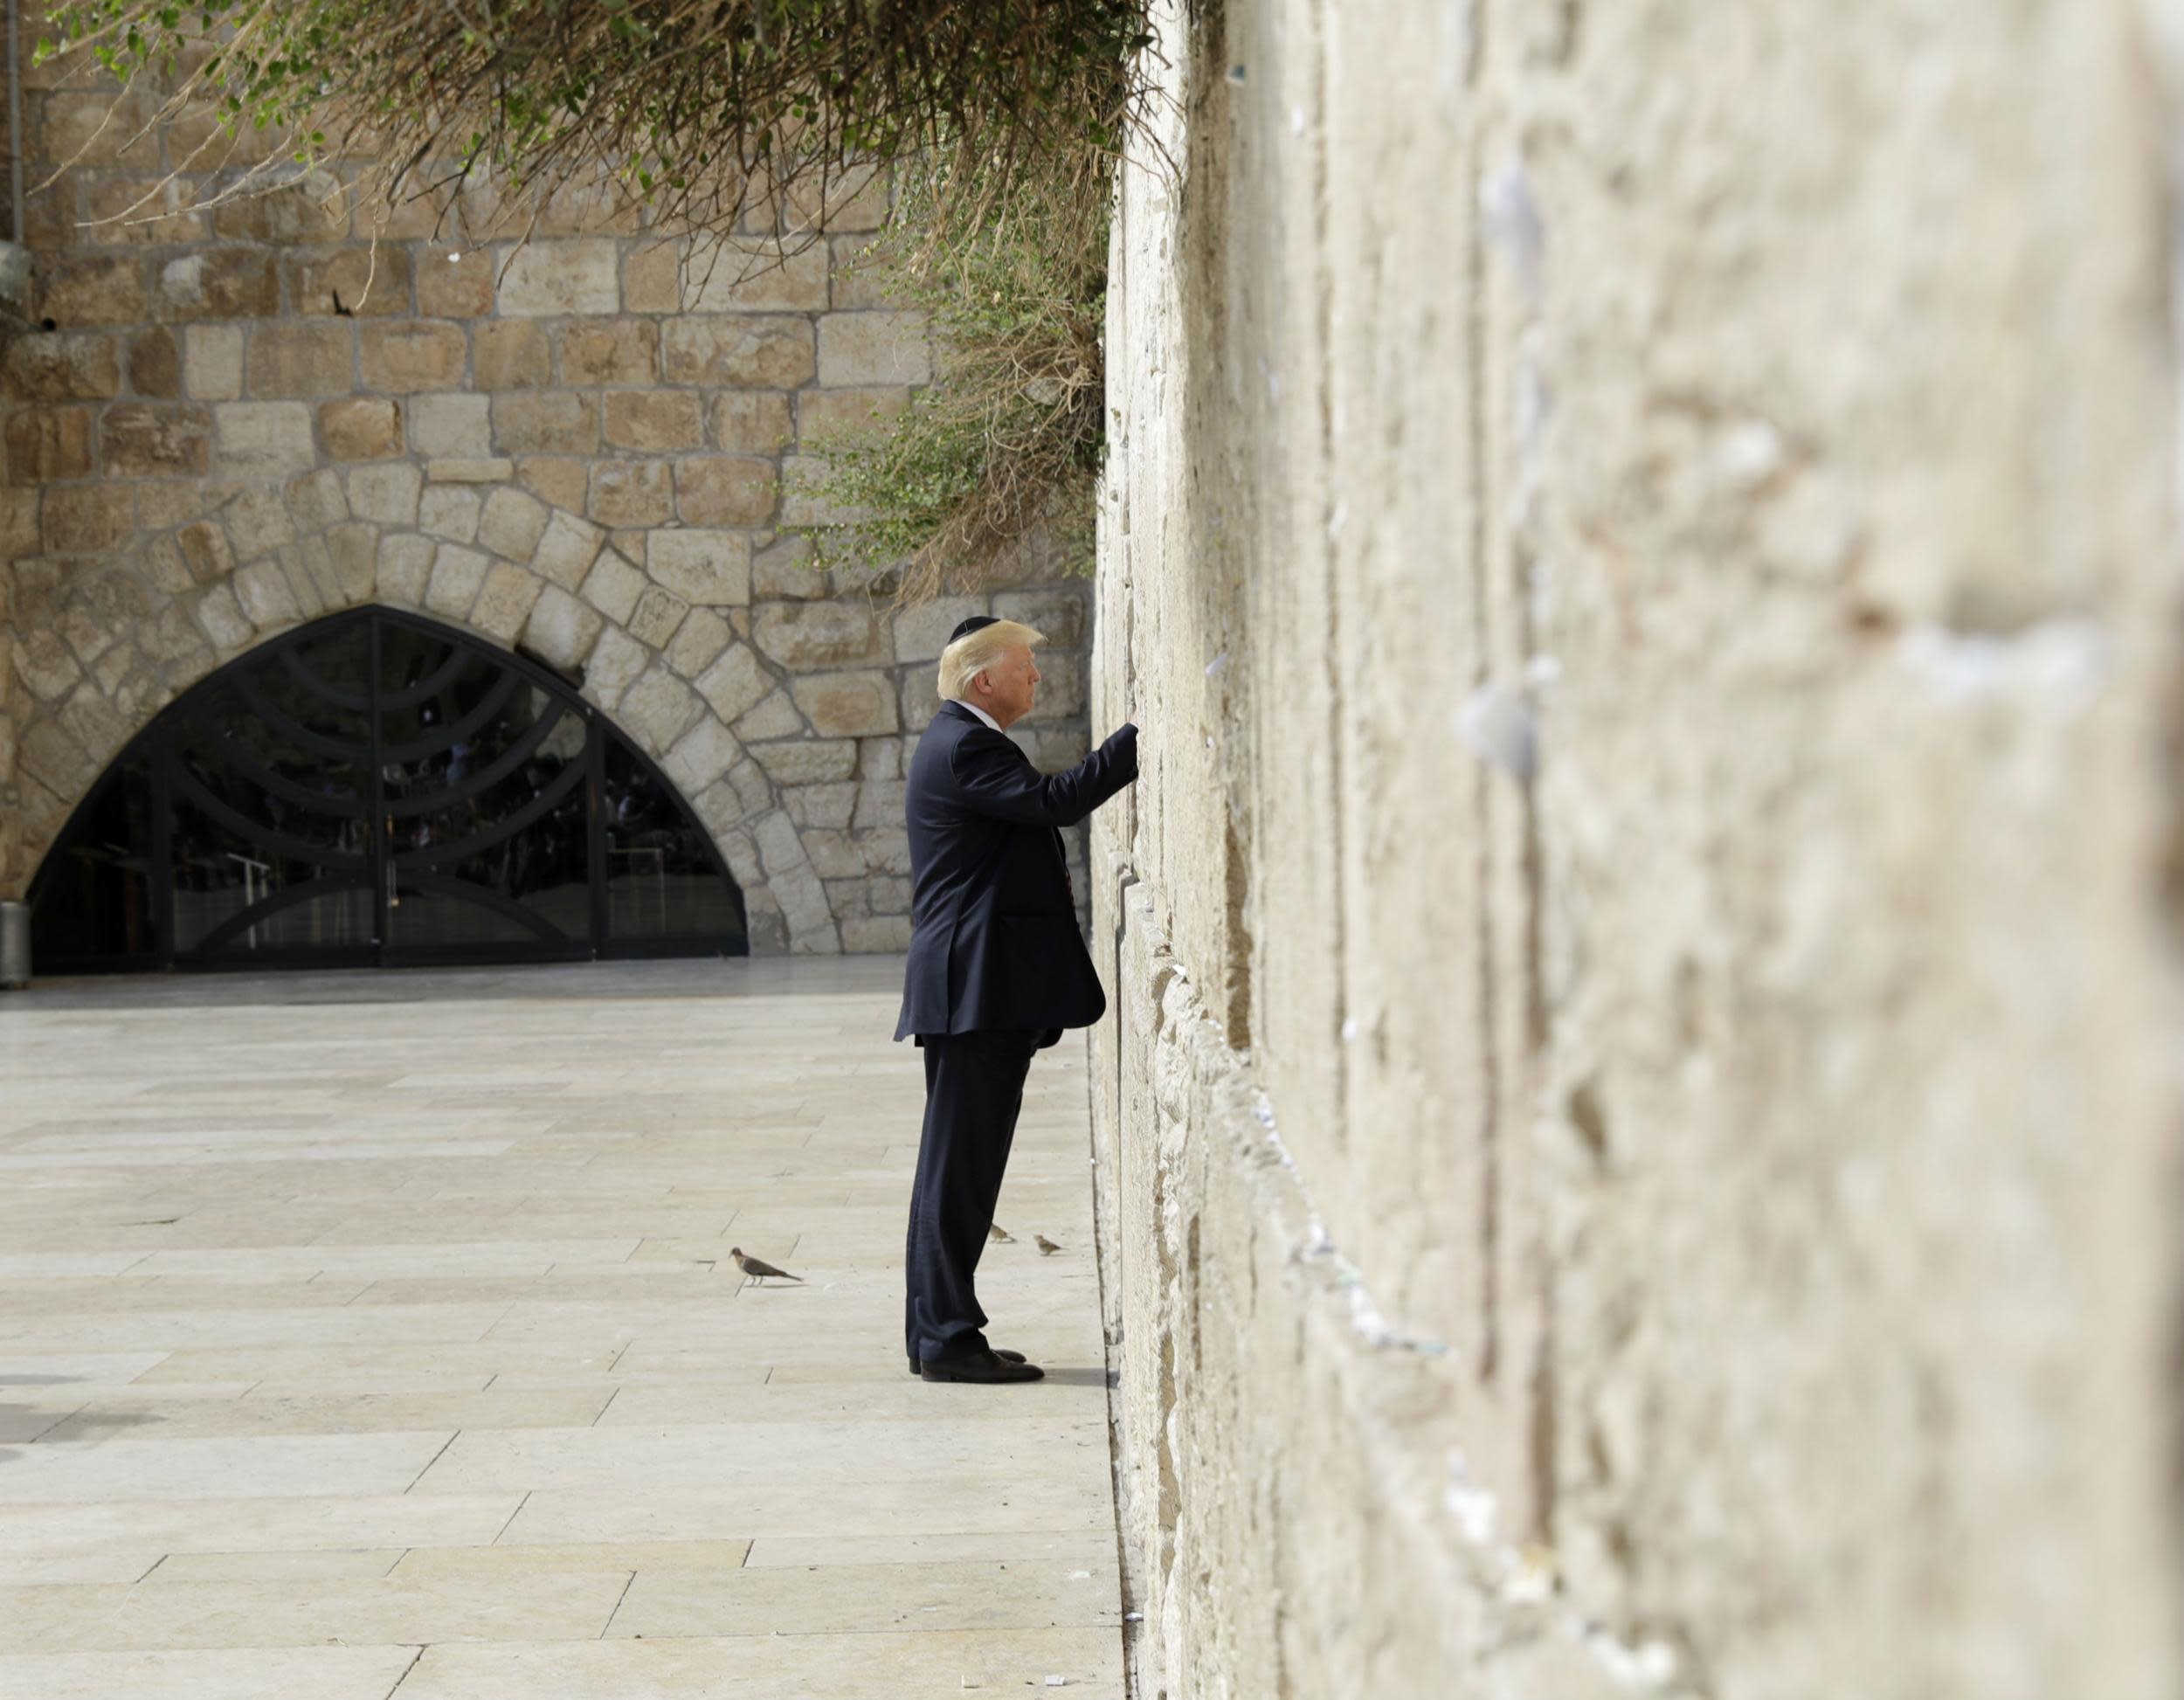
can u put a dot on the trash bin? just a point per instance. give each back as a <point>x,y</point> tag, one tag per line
<point>15,946</point>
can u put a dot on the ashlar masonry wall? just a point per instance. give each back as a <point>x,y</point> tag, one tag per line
<point>1637,1147</point>
<point>540,419</point>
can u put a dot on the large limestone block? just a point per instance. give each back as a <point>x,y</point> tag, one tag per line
<point>734,682</point>
<point>513,524</point>
<point>625,493</point>
<point>598,354</point>
<point>920,633</point>
<point>548,278</point>
<point>863,349</point>
<point>811,636</point>
<point>739,353</point>
<point>617,661</point>
<point>562,630</point>
<point>658,709</point>
<point>361,427</point>
<point>387,494</point>
<point>456,427</point>
<point>406,356</point>
<point>262,438</point>
<point>753,277</point>
<point>545,422</point>
<point>505,601</point>
<point>725,490</point>
<point>847,705</point>
<point>706,567</point>
<point>155,439</point>
<point>458,574</point>
<point>567,550</point>
<point>304,358</point>
<point>218,283</point>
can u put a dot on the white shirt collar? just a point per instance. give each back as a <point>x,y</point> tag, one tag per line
<point>981,714</point>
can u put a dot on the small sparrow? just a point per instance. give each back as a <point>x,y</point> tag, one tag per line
<point>756,1270</point>
<point>1046,1247</point>
<point>1000,1235</point>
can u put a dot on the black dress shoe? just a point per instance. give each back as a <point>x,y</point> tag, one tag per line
<point>1001,1352</point>
<point>982,1367</point>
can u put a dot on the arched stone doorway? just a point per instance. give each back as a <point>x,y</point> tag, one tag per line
<point>376,788</point>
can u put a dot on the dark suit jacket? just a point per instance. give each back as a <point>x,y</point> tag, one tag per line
<point>993,934</point>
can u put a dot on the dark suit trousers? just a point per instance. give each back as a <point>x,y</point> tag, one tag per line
<point>974,1086</point>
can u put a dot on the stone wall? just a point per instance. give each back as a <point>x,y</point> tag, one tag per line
<point>538,419</point>
<point>1637,1145</point>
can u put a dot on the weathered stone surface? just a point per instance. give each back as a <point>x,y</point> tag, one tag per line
<point>362,428</point>
<point>566,550</point>
<point>302,359</point>
<point>407,357</point>
<point>388,494</point>
<point>617,661</point>
<point>698,642</point>
<point>722,490</point>
<point>776,716</point>
<point>361,282</point>
<point>612,586</point>
<point>805,499</point>
<point>820,636</point>
<point>920,633</point>
<point>262,438</point>
<point>218,283</point>
<point>561,481</point>
<point>80,519</point>
<point>505,601</point>
<point>46,367</point>
<point>205,547</point>
<point>788,567</point>
<point>561,630</point>
<point>873,349</point>
<point>654,618</point>
<point>212,363</point>
<point>513,524</point>
<point>749,422</point>
<point>762,354</point>
<point>550,278</point>
<point>47,443</point>
<point>316,500</point>
<point>848,417</point>
<point>918,691</point>
<point>754,277</point>
<point>847,704</point>
<point>658,709</point>
<point>458,285</point>
<point>256,520</point>
<point>629,492</point>
<point>449,511</point>
<point>155,363</point>
<point>838,855</point>
<point>880,758</point>
<point>458,574</point>
<point>652,420</point>
<point>553,421</point>
<point>404,568</point>
<point>827,805</point>
<point>701,755</point>
<point>1062,613</point>
<point>457,427</point>
<point>513,354</point>
<point>712,568</point>
<point>468,469</point>
<point>734,682</point>
<point>75,290</point>
<point>601,354</point>
<point>351,553</point>
<point>309,207</point>
<point>879,804</point>
<point>264,594</point>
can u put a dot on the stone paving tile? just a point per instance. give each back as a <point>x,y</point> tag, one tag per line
<point>353,1333</point>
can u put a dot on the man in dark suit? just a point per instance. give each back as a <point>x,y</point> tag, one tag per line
<point>998,969</point>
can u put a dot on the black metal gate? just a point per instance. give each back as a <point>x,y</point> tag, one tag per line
<point>377,788</point>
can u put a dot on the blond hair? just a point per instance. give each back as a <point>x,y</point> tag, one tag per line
<point>973,652</point>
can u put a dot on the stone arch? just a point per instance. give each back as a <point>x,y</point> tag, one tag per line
<point>99,652</point>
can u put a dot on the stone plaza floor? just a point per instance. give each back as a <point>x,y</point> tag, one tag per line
<point>376,1333</point>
